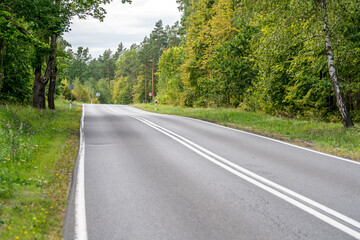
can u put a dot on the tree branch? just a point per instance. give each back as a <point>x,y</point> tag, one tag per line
<point>315,36</point>
<point>20,29</point>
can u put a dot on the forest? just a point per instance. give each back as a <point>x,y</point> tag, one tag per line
<point>290,58</point>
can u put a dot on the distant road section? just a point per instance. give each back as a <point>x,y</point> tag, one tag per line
<point>141,175</point>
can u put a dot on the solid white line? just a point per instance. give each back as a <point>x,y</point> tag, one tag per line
<point>259,136</point>
<point>264,180</point>
<point>80,213</point>
<point>254,179</point>
<point>273,140</point>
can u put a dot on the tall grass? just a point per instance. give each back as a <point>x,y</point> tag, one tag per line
<point>332,138</point>
<point>37,153</point>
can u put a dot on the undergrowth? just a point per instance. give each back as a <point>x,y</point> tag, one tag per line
<point>37,153</point>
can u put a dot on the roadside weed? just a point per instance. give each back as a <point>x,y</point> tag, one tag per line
<point>37,153</point>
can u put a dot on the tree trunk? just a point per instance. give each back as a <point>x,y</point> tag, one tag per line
<point>53,74</point>
<point>41,81</point>
<point>152,77</point>
<point>346,118</point>
<point>2,49</point>
<point>51,93</point>
<point>39,89</point>
<point>350,101</point>
<point>109,77</point>
<point>145,83</point>
<point>159,52</point>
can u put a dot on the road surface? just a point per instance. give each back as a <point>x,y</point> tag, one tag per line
<point>142,175</point>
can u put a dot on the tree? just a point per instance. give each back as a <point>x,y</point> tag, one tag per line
<point>210,25</point>
<point>144,55</point>
<point>47,20</point>
<point>233,71</point>
<point>172,35</point>
<point>15,64</point>
<point>78,65</point>
<point>128,65</point>
<point>345,115</point>
<point>122,92</point>
<point>170,87</point>
<point>194,73</point>
<point>185,6</point>
<point>291,44</point>
<point>158,42</point>
<point>105,94</point>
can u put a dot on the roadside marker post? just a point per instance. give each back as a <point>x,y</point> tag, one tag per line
<point>155,104</point>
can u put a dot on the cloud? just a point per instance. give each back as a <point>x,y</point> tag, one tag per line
<point>126,23</point>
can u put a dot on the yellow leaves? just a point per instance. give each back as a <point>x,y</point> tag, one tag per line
<point>209,28</point>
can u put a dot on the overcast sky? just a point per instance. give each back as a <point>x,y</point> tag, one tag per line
<point>126,23</point>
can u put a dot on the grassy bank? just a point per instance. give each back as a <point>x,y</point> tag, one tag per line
<point>332,138</point>
<point>37,153</point>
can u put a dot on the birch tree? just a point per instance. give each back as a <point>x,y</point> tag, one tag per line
<point>345,115</point>
<point>296,44</point>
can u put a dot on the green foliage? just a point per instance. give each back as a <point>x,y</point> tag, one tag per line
<point>15,82</point>
<point>80,93</point>
<point>289,52</point>
<point>91,86</point>
<point>170,86</point>
<point>122,91</point>
<point>120,77</point>
<point>266,56</point>
<point>26,29</point>
<point>198,41</point>
<point>233,70</point>
<point>102,87</point>
<point>77,67</point>
<point>37,155</point>
<point>65,89</point>
<point>15,67</point>
<point>128,65</point>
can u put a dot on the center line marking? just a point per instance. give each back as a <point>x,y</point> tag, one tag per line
<point>267,185</point>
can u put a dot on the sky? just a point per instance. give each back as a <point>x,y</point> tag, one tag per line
<point>126,23</point>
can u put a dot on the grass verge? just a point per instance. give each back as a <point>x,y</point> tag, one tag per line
<point>37,153</point>
<point>331,138</point>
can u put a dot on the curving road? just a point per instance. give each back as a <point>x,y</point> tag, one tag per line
<point>142,175</point>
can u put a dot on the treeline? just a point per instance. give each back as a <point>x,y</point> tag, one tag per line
<point>122,77</point>
<point>292,58</point>
<point>31,48</point>
<point>295,58</point>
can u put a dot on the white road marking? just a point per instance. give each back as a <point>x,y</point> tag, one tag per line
<point>257,135</point>
<point>267,185</point>
<point>275,140</point>
<point>80,213</point>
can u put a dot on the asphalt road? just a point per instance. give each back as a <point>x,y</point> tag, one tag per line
<point>141,175</point>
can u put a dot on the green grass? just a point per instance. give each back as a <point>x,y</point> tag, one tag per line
<point>37,154</point>
<point>332,138</point>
